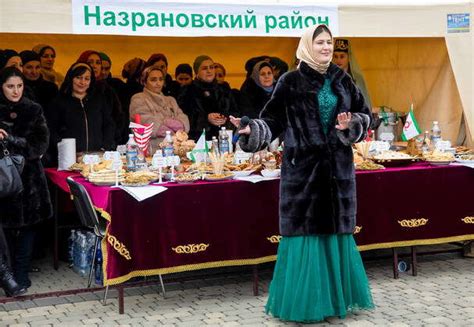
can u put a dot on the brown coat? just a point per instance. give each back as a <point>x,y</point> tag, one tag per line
<point>162,111</point>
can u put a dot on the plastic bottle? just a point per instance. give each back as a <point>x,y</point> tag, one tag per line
<point>215,145</point>
<point>169,150</point>
<point>426,147</point>
<point>80,255</point>
<point>132,153</point>
<point>71,242</point>
<point>98,266</point>
<point>435,134</point>
<point>223,141</point>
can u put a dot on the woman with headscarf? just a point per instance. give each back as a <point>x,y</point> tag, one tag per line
<point>80,112</point>
<point>255,94</point>
<point>159,60</point>
<point>121,131</point>
<point>48,57</point>
<point>319,272</point>
<point>155,107</point>
<point>206,103</point>
<point>23,128</point>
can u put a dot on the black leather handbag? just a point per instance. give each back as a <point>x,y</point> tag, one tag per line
<point>11,166</point>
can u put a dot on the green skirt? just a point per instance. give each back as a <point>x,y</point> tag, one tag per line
<point>317,277</point>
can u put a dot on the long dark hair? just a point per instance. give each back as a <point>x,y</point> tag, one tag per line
<point>75,70</point>
<point>321,28</point>
<point>8,72</point>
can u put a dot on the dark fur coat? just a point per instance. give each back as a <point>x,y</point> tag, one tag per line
<point>28,136</point>
<point>317,190</point>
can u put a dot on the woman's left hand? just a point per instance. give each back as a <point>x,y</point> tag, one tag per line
<point>343,120</point>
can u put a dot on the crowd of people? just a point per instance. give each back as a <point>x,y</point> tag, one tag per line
<point>39,107</point>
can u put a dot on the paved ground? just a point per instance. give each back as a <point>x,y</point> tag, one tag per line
<point>441,295</point>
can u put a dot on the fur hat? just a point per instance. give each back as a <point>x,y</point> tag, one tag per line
<point>198,61</point>
<point>183,69</point>
<point>28,55</point>
<point>132,69</point>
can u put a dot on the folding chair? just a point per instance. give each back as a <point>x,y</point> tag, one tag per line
<point>88,216</point>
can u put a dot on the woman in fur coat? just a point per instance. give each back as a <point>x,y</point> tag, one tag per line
<point>155,107</point>
<point>24,129</point>
<point>319,272</point>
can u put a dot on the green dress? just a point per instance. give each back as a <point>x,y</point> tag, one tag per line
<point>318,276</point>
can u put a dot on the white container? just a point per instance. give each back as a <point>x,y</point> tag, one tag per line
<point>270,173</point>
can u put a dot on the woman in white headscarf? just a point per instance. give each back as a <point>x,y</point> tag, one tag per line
<point>319,272</point>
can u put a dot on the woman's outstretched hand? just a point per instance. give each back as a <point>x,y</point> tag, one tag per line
<point>236,122</point>
<point>3,134</point>
<point>343,120</point>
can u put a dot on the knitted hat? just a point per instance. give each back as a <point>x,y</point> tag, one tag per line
<point>5,55</point>
<point>198,61</point>
<point>104,57</point>
<point>132,69</point>
<point>41,48</point>
<point>28,55</point>
<point>183,69</point>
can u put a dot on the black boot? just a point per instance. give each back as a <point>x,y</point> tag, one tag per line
<point>8,282</point>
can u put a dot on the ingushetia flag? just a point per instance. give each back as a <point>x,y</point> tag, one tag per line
<point>411,128</point>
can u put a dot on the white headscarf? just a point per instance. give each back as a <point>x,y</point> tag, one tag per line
<point>306,53</point>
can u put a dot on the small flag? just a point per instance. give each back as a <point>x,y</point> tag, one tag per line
<point>411,128</point>
<point>200,151</point>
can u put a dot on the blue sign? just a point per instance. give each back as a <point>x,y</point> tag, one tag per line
<point>458,23</point>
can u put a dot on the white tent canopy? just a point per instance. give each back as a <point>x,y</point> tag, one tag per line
<point>358,19</point>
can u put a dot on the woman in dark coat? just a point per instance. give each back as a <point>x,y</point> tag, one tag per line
<point>25,133</point>
<point>255,94</point>
<point>319,272</point>
<point>206,103</point>
<point>80,112</point>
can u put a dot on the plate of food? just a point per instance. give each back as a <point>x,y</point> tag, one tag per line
<point>465,158</point>
<point>242,173</point>
<point>218,177</point>
<point>393,159</point>
<point>137,184</point>
<point>368,165</point>
<point>439,158</point>
<point>185,178</point>
<point>270,172</point>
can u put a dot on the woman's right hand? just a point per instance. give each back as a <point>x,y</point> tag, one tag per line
<point>3,134</point>
<point>236,122</point>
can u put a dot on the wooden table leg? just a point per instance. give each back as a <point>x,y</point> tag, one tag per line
<point>120,299</point>
<point>395,263</point>
<point>414,271</point>
<point>255,280</point>
<point>55,241</point>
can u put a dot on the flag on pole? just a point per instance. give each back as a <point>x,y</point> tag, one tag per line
<point>411,128</point>
<point>142,135</point>
<point>200,151</point>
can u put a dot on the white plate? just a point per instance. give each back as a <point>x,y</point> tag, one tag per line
<point>242,173</point>
<point>134,184</point>
<point>270,173</point>
<point>465,161</point>
<point>439,163</point>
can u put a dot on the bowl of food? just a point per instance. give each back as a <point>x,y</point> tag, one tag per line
<point>270,172</point>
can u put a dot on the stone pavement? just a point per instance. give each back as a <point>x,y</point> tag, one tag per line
<point>441,295</point>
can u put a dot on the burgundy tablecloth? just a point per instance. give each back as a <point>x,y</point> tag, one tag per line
<point>203,225</point>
